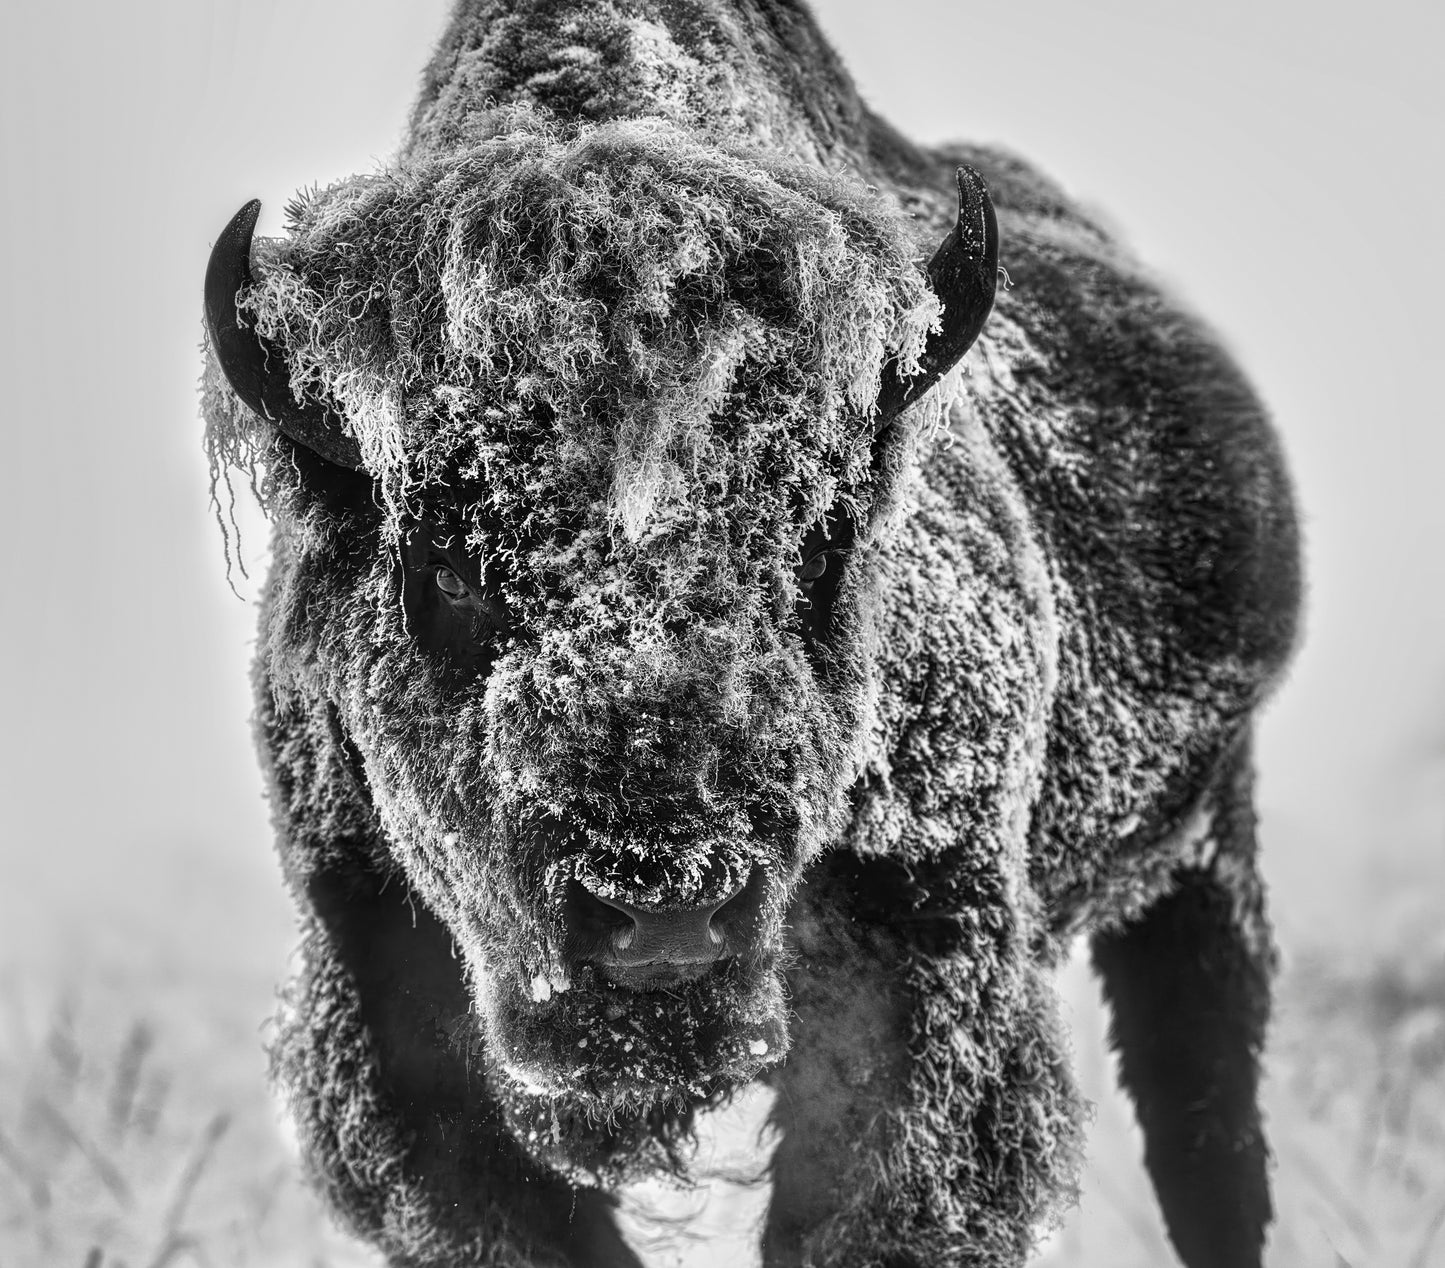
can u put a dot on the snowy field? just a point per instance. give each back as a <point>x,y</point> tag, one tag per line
<point>1278,162</point>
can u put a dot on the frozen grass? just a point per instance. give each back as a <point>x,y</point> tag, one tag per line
<point>1360,1114</point>
<point>1356,1114</point>
<point>120,1148</point>
<point>152,1143</point>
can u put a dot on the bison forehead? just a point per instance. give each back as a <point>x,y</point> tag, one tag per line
<point>612,311</point>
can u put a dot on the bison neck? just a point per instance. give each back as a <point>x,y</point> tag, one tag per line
<point>742,71</point>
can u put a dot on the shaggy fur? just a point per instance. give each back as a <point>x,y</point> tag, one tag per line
<point>607,333</point>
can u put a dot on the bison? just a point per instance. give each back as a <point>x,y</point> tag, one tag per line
<point>680,668</point>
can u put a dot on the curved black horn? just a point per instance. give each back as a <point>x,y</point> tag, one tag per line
<point>964,275</point>
<point>253,366</point>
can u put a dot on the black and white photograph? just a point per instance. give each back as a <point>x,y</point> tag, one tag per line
<point>722,634</point>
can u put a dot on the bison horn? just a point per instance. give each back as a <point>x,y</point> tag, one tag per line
<point>255,367</point>
<point>964,275</point>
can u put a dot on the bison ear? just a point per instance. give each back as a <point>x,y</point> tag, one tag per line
<point>964,275</point>
<point>253,365</point>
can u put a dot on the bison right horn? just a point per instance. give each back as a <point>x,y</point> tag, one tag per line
<point>253,365</point>
<point>964,275</point>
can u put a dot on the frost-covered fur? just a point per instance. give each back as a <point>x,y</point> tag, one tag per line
<point>610,327</point>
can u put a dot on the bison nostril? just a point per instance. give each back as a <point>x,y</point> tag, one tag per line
<point>737,916</point>
<point>594,925</point>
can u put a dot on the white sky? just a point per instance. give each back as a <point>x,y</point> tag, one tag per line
<point>1279,164</point>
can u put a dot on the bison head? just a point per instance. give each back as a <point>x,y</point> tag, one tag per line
<point>582,442</point>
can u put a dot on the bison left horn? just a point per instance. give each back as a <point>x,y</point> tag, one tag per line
<point>964,275</point>
<point>253,365</point>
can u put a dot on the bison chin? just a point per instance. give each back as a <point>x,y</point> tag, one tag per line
<point>594,1065</point>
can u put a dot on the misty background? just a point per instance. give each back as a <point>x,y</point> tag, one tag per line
<point>1277,164</point>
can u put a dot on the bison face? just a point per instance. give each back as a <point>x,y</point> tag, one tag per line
<point>598,640</point>
<point>605,758</point>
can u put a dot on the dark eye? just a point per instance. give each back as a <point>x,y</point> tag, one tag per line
<point>450,584</point>
<point>823,563</point>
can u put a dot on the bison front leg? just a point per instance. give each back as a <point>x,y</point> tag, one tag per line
<point>399,1130</point>
<point>397,1125</point>
<point>1188,983</point>
<point>927,1114</point>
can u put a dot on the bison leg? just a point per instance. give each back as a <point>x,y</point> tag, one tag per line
<point>926,1111</point>
<point>399,1129</point>
<point>1188,984</point>
<point>402,1136</point>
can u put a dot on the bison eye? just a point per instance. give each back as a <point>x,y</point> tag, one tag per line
<point>814,568</point>
<point>822,563</point>
<point>450,584</point>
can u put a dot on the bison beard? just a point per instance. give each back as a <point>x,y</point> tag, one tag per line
<point>675,672</point>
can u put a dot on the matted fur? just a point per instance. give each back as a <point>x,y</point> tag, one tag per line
<point>620,272</point>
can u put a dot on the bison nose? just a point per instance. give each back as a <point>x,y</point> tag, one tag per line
<point>646,946</point>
